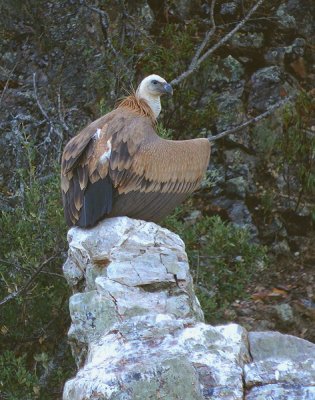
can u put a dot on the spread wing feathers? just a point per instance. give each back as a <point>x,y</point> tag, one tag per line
<point>152,206</point>
<point>162,166</point>
<point>157,177</point>
<point>119,166</point>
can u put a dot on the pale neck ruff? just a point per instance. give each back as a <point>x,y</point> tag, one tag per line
<point>155,104</point>
<point>153,101</point>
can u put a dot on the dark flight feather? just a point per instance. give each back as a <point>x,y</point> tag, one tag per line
<point>97,202</point>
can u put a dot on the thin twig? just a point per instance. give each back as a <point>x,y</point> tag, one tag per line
<point>206,39</point>
<point>61,118</point>
<point>13,295</point>
<point>52,274</point>
<point>252,120</point>
<point>38,102</point>
<point>232,32</point>
<point>105,21</point>
<point>100,12</point>
<point>212,49</point>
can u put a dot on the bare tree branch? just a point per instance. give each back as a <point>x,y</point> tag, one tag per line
<point>105,23</point>
<point>17,293</point>
<point>252,120</point>
<point>104,18</point>
<point>198,60</point>
<point>102,13</point>
<point>57,124</point>
<point>60,114</point>
<point>38,102</point>
<point>206,39</point>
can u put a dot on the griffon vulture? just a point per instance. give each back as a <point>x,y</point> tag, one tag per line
<point>118,165</point>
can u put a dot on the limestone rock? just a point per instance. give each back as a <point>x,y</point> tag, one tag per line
<point>279,55</point>
<point>238,213</point>
<point>283,367</point>
<point>297,16</point>
<point>285,19</point>
<point>268,345</point>
<point>229,8</point>
<point>282,392</point>
<point>151,356</point>
<point>228,71</point>
<point>130,268</point>
<point>137,329</point>
<point>284,313</point>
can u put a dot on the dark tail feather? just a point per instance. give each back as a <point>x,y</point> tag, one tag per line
<point>97,202</point>
<point>66,209</point>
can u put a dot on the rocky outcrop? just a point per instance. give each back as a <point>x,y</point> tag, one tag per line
<point>137,329</point>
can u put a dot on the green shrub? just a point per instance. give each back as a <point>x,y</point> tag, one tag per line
<point>296,148</point>
<point>34,314</point>
<point>287,146</point>
<point>164,132</point>
<point>16,381</point>
<point>222,257</point>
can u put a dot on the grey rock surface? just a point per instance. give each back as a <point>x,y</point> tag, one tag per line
<point>137,329</point>
<point>229,8</point>
<point>274,345</point>
<point>247,40</point>
<point>282,366</point>
<point>158,355</point>
<point>129,268</point>
<point>265,87</point>
<point>237,187</point>
<point>238,213</point>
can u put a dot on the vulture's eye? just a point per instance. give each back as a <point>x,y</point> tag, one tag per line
<point>155,82</point>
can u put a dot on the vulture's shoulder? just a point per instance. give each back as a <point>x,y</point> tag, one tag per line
<point>120,125</point>
<point>76,146</point>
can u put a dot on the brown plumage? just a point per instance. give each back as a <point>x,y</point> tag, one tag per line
<point>118,165</point>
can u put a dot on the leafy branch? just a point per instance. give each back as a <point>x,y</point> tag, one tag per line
<point>28,283</point>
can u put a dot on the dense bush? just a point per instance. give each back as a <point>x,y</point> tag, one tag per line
<point>223,259</point>
<point>17,381</point>
<point>34,313</point>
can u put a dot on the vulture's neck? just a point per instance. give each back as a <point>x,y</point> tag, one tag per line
<point>153,101</point>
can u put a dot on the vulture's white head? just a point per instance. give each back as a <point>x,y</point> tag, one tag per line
<point>151,89</point>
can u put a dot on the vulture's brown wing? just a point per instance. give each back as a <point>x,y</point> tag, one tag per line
<point>159,175</point>
<point>87,187</point>
<point>85,184</point>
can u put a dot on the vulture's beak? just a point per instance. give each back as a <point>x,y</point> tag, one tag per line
<point>168,89</point>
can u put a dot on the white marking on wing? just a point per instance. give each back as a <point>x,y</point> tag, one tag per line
<point>97,134</point>
<point>105,156</point>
